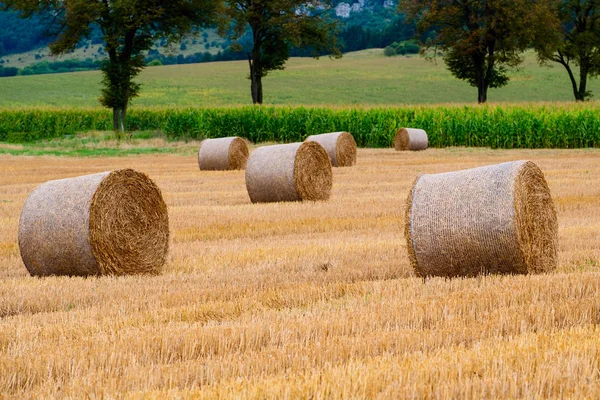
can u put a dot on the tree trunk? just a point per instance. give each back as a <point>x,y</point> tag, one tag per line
<point>123,118</point>
<point>482,94</point>
<point>119,115</point>
<point>479,64</point>
<point>583,75</point>
<point>259,90</point>
<point>255,81</point>
<point>573,81</point>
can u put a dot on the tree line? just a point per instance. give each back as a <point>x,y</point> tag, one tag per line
<point>479,39</point>
<point>482,39</point>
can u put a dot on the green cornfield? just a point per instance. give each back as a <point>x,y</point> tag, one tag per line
<point>495,126</point>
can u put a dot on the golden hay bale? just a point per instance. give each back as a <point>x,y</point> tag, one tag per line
<point>340,146</point>
<point>289,172</point>
<point>109,223</point>
<point>498,219</point>
<point>223,154</point>
<point>410,139</point>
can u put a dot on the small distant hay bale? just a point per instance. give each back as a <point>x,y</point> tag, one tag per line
<point>111,223</point>
<point>229,153</point>
<point>289,172</point>
<point>498,219</point>
<point>410,139</point>
<point>340,146</point>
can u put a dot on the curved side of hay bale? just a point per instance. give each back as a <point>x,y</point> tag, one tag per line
<point>223,154</point>
<point>54,229</point>
<point>498,219</point>
<point>289,172</point>
<point>410,139</point>
<point>108,223</point>
<point>340,146</point>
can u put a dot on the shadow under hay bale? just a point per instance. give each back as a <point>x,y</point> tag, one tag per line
<point>498,219</point>
<point>111,223</point>
<point>410,139</point>
<point>223,154</point>
<point>340,146</point>
<point>289,172</point>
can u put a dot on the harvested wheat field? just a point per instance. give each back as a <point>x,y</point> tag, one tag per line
<point>310,300</point>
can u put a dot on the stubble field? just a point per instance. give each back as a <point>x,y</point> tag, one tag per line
<point>312,300</point>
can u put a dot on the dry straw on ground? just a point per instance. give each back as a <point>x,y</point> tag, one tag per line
<point>107,223</point>
<point>289,172</point>
<point>493,219</point>
<point>410,139</point>
<point>340,146</point>
<point>229,153</point>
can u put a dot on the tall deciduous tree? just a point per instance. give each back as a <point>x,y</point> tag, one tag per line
<point>480,39</point>
<point>276,27</point>
<point>577,44</point>
<point>129,28</point>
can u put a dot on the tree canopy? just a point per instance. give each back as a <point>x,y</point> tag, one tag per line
<point>577,42</point>
<point>480,39</point>
<point>277,26</point>
<point>129,28</point>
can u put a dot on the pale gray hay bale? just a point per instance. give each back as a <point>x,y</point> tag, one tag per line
<point>493,219</point>
<point>410,139</point>
<point>289,172</point>
<point>107,223</point>
<point>340,146</point>
<point>222,154</point>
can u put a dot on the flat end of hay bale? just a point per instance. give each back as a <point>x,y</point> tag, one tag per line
<point>129,225</point>
<point>312,172</point>
<point>346,150</point>
<point>401,140</point>
<point>535,220</point>
<point>238,154</point>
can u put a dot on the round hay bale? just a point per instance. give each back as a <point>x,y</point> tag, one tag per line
<point>410,139</point>
<point>289,172</point>
<point>229,153</point>
<point>112,223</point>
<point>340,146</point>
<point>498,219</point>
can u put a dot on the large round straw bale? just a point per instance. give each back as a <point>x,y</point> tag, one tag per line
<point>340,146</point>
<point>108,223</point>
<point>223,154</point>
<point>410,139</point>
<point>289,172</point>
<point>498,219</point>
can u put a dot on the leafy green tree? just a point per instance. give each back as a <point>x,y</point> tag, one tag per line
<point>276,27</point>
<point>577,42</point>
<point>129,28</point>
<point>480,39</point>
